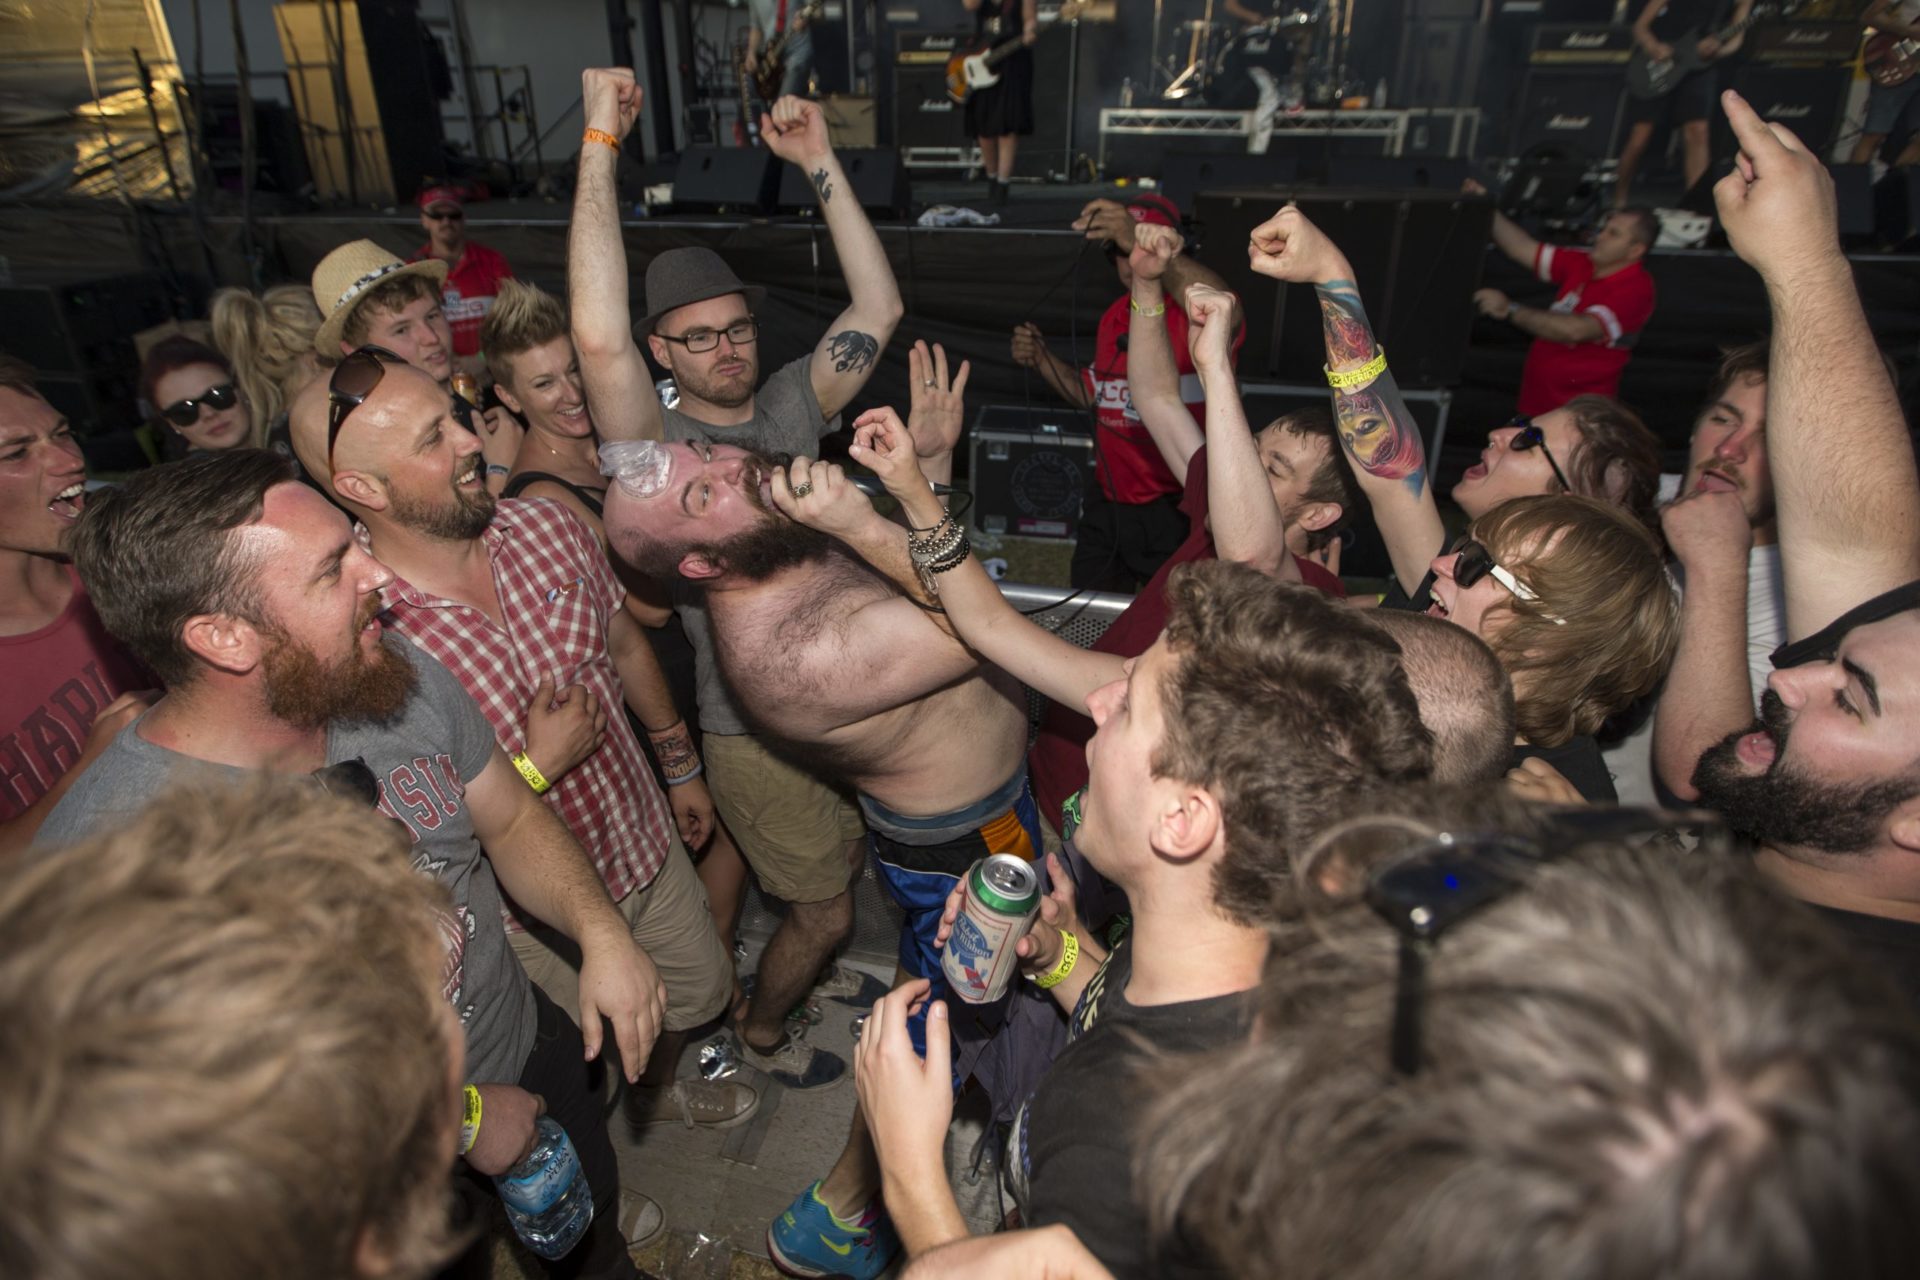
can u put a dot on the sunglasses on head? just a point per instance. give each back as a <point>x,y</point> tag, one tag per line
<point>184,413</point>
<point>352,382</point>
<point>446,215</point>
<point>1532,437</point>
<point>1472,562</point>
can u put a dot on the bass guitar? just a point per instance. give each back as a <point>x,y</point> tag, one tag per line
<point>773,54</point>
<point>1890,59</point>
<point>1648,77</point>
<point>977,68</point>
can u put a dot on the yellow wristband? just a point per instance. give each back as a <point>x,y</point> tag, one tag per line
<point>602,136</point>
<point>469,1119</point>
<point>1069,954</point>
<point>531,772</point>
<point>1357,377</point>
<point>1140,310</point>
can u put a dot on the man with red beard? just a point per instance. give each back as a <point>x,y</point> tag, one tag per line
<point>1825,781</point>
<point>247,594</point>
<point>65,694</point>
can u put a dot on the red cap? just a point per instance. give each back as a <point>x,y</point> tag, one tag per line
<point>431,196</point>
<point>1155,208</point>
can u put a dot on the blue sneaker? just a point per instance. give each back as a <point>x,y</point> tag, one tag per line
<point>809,1239</point>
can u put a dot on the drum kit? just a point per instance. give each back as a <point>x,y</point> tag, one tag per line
<point>1294,58</point>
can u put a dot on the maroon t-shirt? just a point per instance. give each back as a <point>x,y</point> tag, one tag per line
<point>1057,764</point>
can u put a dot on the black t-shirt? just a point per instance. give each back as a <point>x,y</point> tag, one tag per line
<point>1891,947</point>
<point>1580,762</point>
<point>1681,17</point>
<point>1072,1143</point>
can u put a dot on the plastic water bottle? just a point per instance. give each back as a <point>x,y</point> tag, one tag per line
<point>547,1197</point>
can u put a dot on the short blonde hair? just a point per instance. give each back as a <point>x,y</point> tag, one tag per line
<point>267,338</point>
<point>523,316</point>
<point>1598,569</point>
<point>226,1049</point>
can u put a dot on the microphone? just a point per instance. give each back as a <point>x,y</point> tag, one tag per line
<point>871,486</point>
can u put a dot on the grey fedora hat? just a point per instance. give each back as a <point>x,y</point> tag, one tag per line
<point>682,276</point>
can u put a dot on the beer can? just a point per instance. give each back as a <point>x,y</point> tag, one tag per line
<point>1002,898</point>
<point>467,387</point>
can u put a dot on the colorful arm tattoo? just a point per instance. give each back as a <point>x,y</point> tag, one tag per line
<point>1375,428</point>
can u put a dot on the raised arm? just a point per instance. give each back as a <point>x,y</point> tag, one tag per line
<point>796,131</point>
<point>1247,524</point>
<point>993,628</point>
<point>1708,693</point>
<point>1153,377</point>
<point>1508,235</point>
<point>1842,462</point>
<point>618,384</point>
<point>1375,428</point>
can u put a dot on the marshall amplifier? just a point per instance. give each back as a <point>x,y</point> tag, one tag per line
<point>1577,112</point>
<point>923,114</point>
<point>1805,99</point>
<point>1804,44</point>
<point>1556,45</point>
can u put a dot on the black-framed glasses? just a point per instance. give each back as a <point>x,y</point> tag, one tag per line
<point>352,382</point>
<point>739,333</point>
<point>1530,436</point>
<point>1472,561</point>
<point>184,413</point>
<point>1451,877</point>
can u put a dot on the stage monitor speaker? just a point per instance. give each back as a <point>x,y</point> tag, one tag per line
<point>1416,256</point>
<point>1397,173</point>
<point>1185,175</point>
<point>740,179</point>
<point>874,174</point>
<point>1805,99</point>
<point>1029,484</point>
<point>1896,208</point>
<point>1577,111</point>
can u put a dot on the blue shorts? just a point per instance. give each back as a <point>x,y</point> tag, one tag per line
<point>920,874</point>
<point>1887,108</point>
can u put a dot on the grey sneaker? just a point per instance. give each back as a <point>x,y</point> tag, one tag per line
<point>797,1064</point>
<point>846,985</point>
<point>641,1218</point>
<point>716,1104</point>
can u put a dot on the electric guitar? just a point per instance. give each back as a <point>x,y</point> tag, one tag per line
<point>773,54</point>
<point>976,67</point>
<point>1890,59</point>
<point>1648,78</point>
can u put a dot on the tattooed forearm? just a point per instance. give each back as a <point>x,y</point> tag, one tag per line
<point>852,351</point>
<point>1379,435</point>
<point>823,184</point>
<point>1349,336</point>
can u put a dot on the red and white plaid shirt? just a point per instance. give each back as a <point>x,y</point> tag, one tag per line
<point>559,598</point>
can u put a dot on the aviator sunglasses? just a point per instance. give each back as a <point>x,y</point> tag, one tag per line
<point>352,382</point>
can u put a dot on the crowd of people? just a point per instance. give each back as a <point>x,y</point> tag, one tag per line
<point>352,816</point>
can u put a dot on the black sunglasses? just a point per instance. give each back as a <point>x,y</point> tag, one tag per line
<point>1532,437</point>
<point>1472,561</point>
<point>446,215</point>
<point>352,382</point>
<point>1451,878</point>
<point>184,413</point>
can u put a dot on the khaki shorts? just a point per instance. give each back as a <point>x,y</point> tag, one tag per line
<point>792,828</point>
<point>670,920</point>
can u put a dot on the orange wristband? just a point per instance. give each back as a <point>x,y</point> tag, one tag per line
<point>601,135</point>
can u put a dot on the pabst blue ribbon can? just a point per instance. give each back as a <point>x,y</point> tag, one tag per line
<point>1002,898</point>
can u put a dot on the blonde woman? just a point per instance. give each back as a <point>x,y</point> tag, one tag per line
<point>269,341</point>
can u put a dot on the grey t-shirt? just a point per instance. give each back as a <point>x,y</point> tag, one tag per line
<point>786,419</point>
<point>423,760</point>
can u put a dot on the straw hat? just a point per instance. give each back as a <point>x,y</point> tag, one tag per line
<point>345,275</point>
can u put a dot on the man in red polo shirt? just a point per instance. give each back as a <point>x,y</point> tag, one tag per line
<point>1581,344</point>
<point>474,272</point>
<point>1129,528</point>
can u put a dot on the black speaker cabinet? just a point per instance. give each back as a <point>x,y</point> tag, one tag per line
<point>1805,99</point>
<point>1397,173</point>
<point>1576,111</point>
<point>1416,258</point>
<point>874,174</point>
<point>740,179</point>
<point>1185,174</point>
<point>1029,484</point>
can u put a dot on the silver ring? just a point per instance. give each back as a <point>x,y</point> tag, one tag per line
<point>927,383</point>
<point>802,489</point>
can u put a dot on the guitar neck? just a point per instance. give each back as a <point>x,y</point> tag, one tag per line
<point>1735,28</point>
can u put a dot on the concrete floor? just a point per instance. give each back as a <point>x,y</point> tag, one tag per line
<point>720,1190</point>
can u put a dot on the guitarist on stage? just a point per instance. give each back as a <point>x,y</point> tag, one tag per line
<point>1891,107</point>
<point>1691,102</point>
<point>770,19</point>
<point>999,114</point>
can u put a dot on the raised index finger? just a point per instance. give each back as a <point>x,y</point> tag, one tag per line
<point>1758,139</point>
